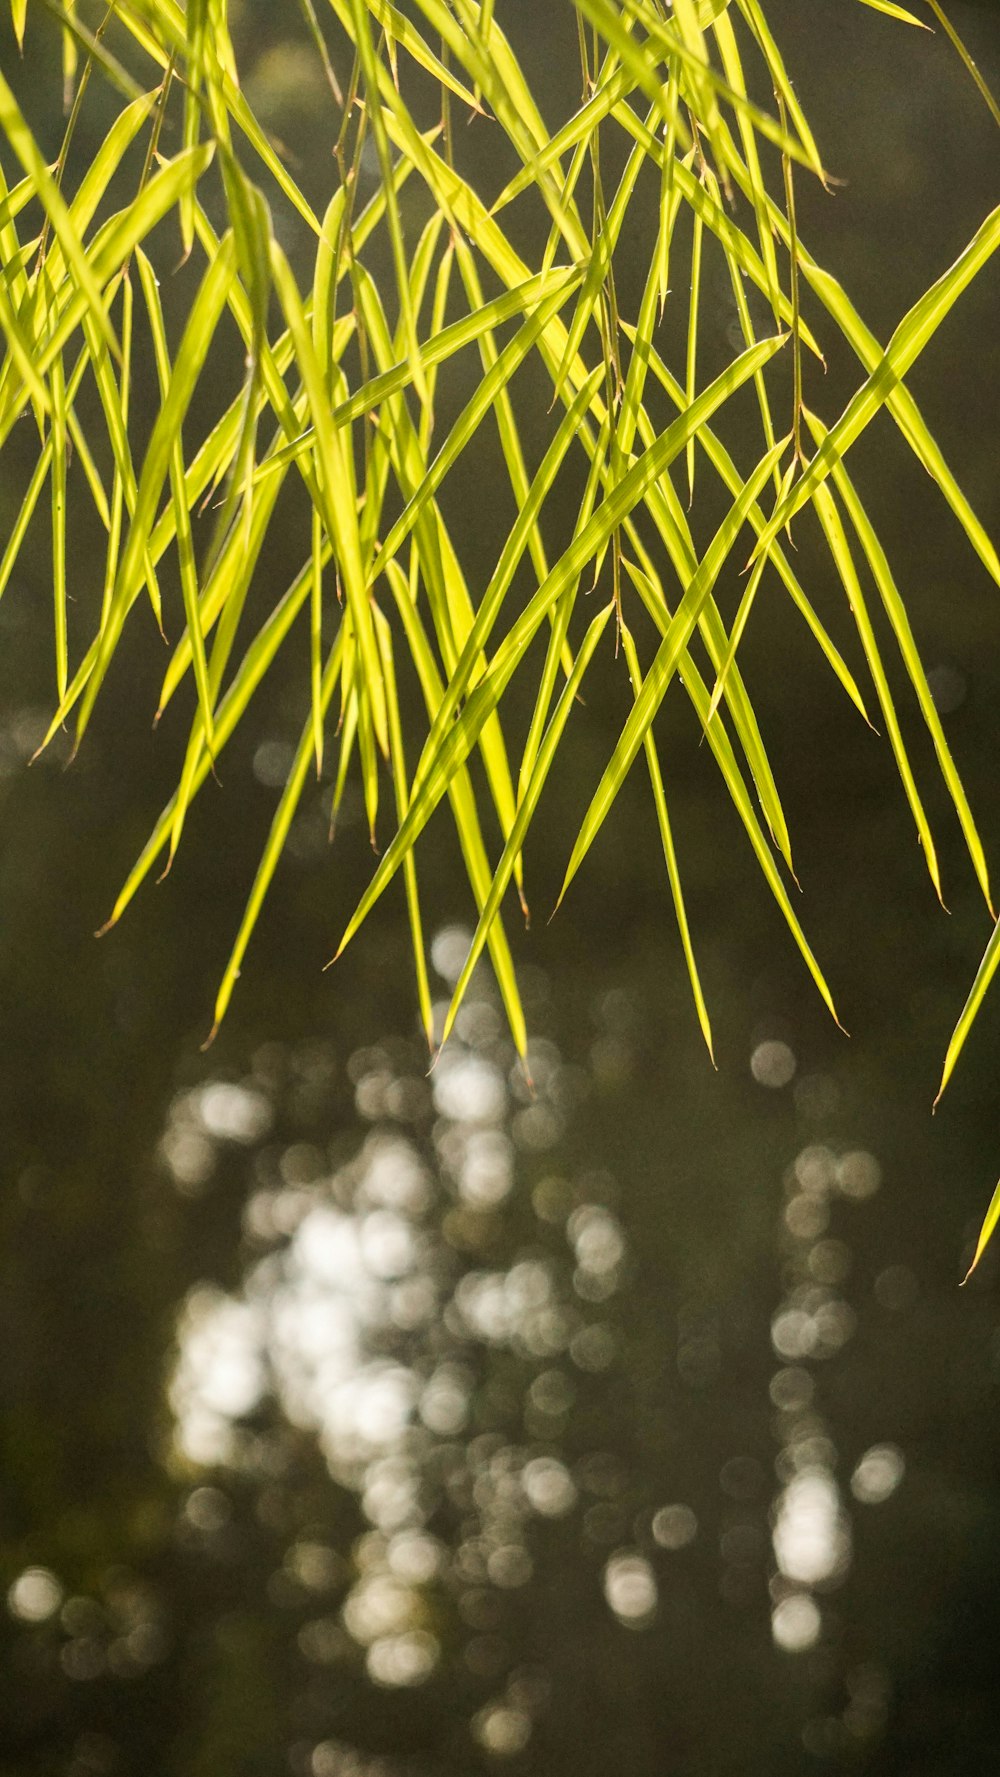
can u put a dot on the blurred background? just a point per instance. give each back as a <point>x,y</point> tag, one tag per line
<point>356,1422</point>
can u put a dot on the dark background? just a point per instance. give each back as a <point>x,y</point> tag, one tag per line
<point>163,1611</point>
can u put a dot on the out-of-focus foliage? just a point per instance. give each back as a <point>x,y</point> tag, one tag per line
<point>299,395</point>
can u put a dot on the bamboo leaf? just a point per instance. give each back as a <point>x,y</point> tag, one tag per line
<point>732,777</point>
<point>990,1220</point>
<point>579,128</point>
<point>754,15</point>
<point>896,12</point>
<point>438,765</point>
<point>398,758</point>
<point>896,613</point>
<point>692,341</point>
<point>59,440</point>
<point>522,298</point>
<point>335,490</point>
<point>735,243</point>
<point>833,530</point>
<point>205,312</point>
<point>466,817</point>
<point>970,66</point>
<point>908,341</point>
<point>669,654</point>
<point>26,149</point>
<point>273,849</point>
<point>487,393</point>
<point>185,543</point>
<point>984,975</point>
<point>112,247</point>
<point>526,811</point>
<point>669,851</point>
<point>252,671</point>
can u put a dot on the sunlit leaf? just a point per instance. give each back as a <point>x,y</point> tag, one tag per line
<point>896,12</point>
<point>986,1232</point>
<point>355,421</point>
<point>984,975</point>
<point>946,25</point>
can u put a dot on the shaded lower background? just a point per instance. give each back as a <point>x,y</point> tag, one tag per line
<point>360,1423</point>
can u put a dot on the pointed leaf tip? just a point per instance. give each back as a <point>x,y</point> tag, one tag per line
<point>990,1220</point>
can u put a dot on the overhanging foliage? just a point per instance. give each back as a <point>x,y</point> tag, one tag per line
<point>338,398</point>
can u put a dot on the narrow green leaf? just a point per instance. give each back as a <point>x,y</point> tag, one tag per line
<point>729,50</point>
<point>335,488</point>
<point>526,810</point>
<point>483,400</point>
<point>284,815</point>
<point>362,39</point>
<point>908,341</point>
<point>59,432</point>
<point>896,613</point>
<point>198,334</point>
<point>24,355</point>
<point>670,43</point>
<point>82,454</point>
<point>579,128</point>
<point>970,66</point>
<point>652,596</point>
<point>669,850</point>
<point>467,825</point>
<point>896,12</point>
<point>26,149</point>
<point>739,625</point>
<point>692,341</point>
<point>187,566</point>
<point>252,671</point>
<point>984,975</point>
<point>94,49</point>
<point>754,15</point>
<point>560,617</point>
<point>397,755</point>
<point>25,513</point>
<point>990,1220</point>
<point>668,656</point>
<point>833,530</point>
<point>406,35</point>
<point>720,459</point>
<point>735,243</point>
<point>316,641</point>
<point>111,248</point>
<point>519,300</point>
<point>438,765</point>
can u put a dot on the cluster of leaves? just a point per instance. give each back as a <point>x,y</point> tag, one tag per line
<point>338,397</point>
